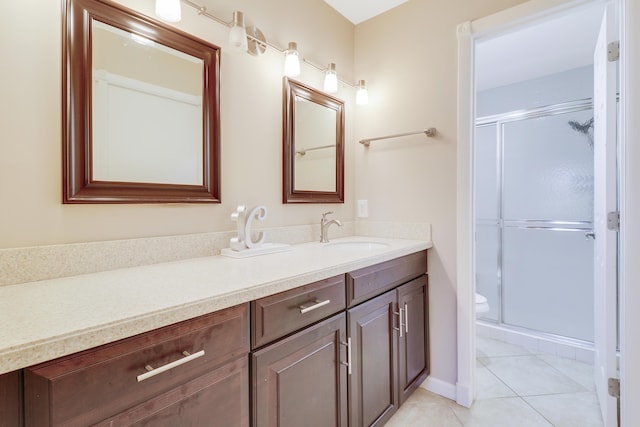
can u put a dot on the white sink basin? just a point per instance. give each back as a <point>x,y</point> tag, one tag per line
<point>356,246</point>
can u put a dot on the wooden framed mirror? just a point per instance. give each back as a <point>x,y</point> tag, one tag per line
<point>313,145</point>
<point>140,109</point>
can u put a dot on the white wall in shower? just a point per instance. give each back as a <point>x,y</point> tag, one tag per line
<point>534,203</point>
<point>548,90</point>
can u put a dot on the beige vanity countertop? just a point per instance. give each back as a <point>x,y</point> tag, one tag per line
<point>43,320</point>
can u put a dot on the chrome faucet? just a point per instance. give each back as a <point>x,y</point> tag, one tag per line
<point>324,227</point>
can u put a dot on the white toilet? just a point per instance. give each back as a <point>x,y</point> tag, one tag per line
<point>482,306</point>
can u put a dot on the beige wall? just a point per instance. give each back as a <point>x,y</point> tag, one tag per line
<point>31,212</point>
<point>408,57</point>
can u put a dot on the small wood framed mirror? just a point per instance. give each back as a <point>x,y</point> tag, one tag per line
<point>141,109</point>
<point>313,145</point>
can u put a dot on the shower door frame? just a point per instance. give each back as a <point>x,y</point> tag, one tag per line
<point>499,121</point>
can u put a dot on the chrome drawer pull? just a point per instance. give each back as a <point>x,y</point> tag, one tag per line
<point>152,372</point>
<point>348,362</point>
<point>305,308</point>
<point>400,326</point>
<point>406,319</point>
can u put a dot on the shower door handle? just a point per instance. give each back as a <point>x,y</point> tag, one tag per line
<point>590,235</point>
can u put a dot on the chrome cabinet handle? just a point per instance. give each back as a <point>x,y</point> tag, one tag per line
<point>590,235</point>
<point>152,372</point>
<point>406,319</point>
<point>348,362</point>
<point>305,308</point>
<point>400,316</point>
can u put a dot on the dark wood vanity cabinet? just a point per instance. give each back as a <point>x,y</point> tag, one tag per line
<point>11,399</point>
<point>207,383</point>
<point>389,338</point>
<point>389,335</point>
<point>356,367</point>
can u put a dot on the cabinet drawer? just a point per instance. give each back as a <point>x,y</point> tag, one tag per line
<point>87,387</point>
<point>278,315</point>
<point>227,387</point>
<point>369,282</point>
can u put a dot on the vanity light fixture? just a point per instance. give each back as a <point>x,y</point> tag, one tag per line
<point>251,40</point>
<point>331,79</point>
<point>362,94</point>
<point>169,10</point>
<point>237,33</point>
<point>291,60</point>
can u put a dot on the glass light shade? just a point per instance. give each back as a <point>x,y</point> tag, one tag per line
<point>169,10</point>
<point>238,34</point>
<point>292,61</point>
<point>331,79</point>
<point>362,95</point>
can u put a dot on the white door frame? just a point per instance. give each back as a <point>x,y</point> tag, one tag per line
<point>629,212</point>
<point>468,32</point>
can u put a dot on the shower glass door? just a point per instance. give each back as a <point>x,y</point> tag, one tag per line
<point>534,259</point>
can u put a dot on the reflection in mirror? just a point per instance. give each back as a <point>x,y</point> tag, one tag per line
<point>315,160</point>
<point>136,112</point>
<point>313,145</point>
<point>142,109</point>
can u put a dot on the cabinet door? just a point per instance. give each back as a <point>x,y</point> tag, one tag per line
<point>413,363</point>
<point>219,398</point>
<point>373,380</point>
<point>11,399</point>
<point>300,381</point>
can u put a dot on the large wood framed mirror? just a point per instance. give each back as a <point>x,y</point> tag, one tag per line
<point>313,145</point>
<point>141,109</point>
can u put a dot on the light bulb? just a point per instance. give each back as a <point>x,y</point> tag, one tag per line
<point>362,95</point>
<point>331,79</point>
<point>168,10</point>
<point>292,61</point>
<point>237,33</point>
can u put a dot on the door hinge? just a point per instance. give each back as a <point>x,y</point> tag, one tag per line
<point>614,387</point>
<point>613,51</point>
<point>613,221</point>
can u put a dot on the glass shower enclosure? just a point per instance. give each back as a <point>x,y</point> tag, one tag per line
<point>534,213</point>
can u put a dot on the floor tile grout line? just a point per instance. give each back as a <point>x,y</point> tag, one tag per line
<point>455,415</point>
<point>562,372</point>
<point>500,379</point>
<point>536,410</point>
<point>568,373</point>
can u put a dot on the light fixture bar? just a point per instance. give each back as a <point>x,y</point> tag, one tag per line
<point>202,10</point>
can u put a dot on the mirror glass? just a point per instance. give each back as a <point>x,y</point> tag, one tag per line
<point>142,109</point>
<point>315,159</point>
<point>136,112</point>
<point>313,145</point>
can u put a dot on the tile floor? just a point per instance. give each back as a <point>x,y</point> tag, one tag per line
<point>515,387</point>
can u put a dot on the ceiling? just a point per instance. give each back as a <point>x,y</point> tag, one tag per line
<point>358,11</point>
<point>547,47</point>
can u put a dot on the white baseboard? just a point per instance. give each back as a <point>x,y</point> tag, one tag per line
<point>440,387</point>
